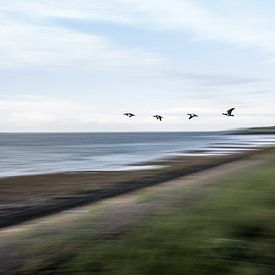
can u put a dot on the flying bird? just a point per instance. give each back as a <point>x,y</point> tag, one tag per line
<point>229,112</point>
<point>158,117</point>
<point>129,114</point>
<point>192,115</point>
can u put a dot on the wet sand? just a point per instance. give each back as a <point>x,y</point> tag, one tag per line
<point>27,197</point>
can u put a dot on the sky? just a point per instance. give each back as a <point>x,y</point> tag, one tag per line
<point>78,65</point>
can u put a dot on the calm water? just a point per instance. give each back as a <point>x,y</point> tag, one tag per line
<point>44,153</point>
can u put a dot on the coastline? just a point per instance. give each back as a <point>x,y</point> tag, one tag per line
<point>24,154</point>
<point>24,198</point>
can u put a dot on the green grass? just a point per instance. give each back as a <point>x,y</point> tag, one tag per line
<point>230,231</point>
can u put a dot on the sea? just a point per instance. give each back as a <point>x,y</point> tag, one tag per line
<point>39,153</point>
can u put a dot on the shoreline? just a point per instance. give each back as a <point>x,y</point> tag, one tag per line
<point>155,163</point>
<point>73,160</point>
<point>24,198</point>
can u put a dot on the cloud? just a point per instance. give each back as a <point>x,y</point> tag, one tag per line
<point>111,11</point>
<point>259,92</point>
<point>28,40</point>
<point>173,14</point>
<point>32,36</point>
<point>28,45</point>
<point>218,79</point>
<point>30,113</point>
<point>31,46</point>
<point>208,23</point>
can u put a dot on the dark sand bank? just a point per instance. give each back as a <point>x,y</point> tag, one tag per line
<point>27,197</point>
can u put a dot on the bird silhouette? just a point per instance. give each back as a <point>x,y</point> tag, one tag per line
<point>229,112</point>
<point>192,115</point>
<point>129,114</point>
<point>158,117</point>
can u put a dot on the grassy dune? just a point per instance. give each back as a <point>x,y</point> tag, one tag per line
<point>228,229</point>
<point>257,130</point>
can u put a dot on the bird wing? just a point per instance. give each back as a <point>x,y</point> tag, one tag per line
<point>230,111</point>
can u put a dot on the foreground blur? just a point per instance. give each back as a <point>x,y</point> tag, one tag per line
<point>216,223</point>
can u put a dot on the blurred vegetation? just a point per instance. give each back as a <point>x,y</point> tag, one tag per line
<point>257,130</point>
<point>230,231</point>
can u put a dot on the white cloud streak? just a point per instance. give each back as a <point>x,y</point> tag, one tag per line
<point>28,44</point>
<point>205,23</point>
<point>24,46</point>
<point>34,44</point>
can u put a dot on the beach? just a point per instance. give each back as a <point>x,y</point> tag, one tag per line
<point>148,159</point>
<point>102,234</point>
<point>27,197</point>
<point>47,219</point>
<point>51,153</point>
